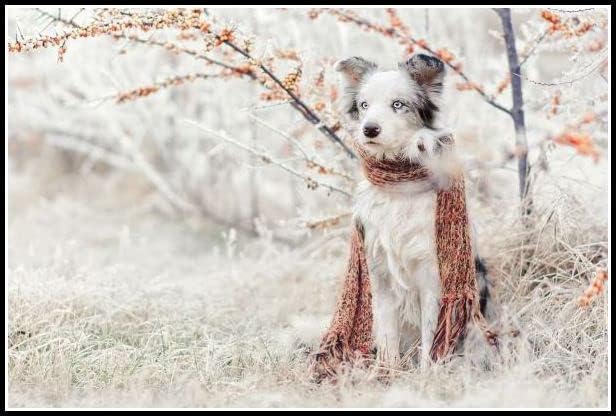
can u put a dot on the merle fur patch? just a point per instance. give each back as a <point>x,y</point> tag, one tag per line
<point>353,70</point>
<point>482,283</point>
<point>426,111</point>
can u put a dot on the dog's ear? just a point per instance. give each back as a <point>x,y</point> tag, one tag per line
<point>427,71</point>
<point>353,71</point>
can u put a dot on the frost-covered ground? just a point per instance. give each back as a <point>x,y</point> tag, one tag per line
<point>112,303</point>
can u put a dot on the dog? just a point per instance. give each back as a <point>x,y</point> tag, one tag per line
<point>392,113</point>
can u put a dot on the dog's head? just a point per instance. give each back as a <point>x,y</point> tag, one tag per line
<point>387,107</point>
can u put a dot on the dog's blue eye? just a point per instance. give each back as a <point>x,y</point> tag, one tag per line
<point>363,105</point>
<point>397,105</point>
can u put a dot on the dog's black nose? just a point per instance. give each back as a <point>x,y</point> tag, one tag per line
<point>371,130</point>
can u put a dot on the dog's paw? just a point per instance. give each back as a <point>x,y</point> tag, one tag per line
<point>428,143</point>
<point>434,149</point>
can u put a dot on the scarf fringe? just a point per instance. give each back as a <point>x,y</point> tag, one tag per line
<point>454,316</point>
<point>333,352</point>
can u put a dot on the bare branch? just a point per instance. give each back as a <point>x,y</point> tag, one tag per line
<point>571,81</point>
<point>77,142</point>
<point>571,11</point>
<point>268,106</point>
<point>298,104</point>
<point>71,20</point>
<point>312,161</point>
<point>311,182</point>
<point>155,178</point>
<point>291,139</point>
<point>328,222</point>
<point>532,49</point>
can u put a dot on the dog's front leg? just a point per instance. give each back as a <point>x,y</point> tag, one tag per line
<point>386,327</point>
<point>430,307</point>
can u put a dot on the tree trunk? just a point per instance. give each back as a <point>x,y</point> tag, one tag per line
<point>517,111</point>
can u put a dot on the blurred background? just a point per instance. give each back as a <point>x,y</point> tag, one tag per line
<point>67,124</point>
<point>158,176</point>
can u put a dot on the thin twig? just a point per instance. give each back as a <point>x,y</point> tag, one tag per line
<point>571,11</point>
<point>76,14</point>
<point>532,50</point>
<point>268,159</point>
<point>21,34</point>
<point>48,24</point>
<point>81,144</point>
<point>268,106</point>
<point>155,178</point>
<point>150,89</point>
<point>571,81</point>
<point>290,138</point>
<point>328,222</point>
<point>310,160</point>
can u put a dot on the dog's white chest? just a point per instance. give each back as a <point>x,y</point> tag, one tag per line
<point>400,243</point>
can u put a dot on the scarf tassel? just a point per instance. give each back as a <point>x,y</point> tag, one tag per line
<point>333,352</point>
<point>349,337</point>
<point>454,316</point>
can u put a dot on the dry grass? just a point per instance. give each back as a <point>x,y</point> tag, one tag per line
<point>132,309</point>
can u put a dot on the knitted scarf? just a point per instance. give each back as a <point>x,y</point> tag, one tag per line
<point>349,337</point>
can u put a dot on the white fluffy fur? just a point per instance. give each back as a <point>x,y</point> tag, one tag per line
<point>400,250</point>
